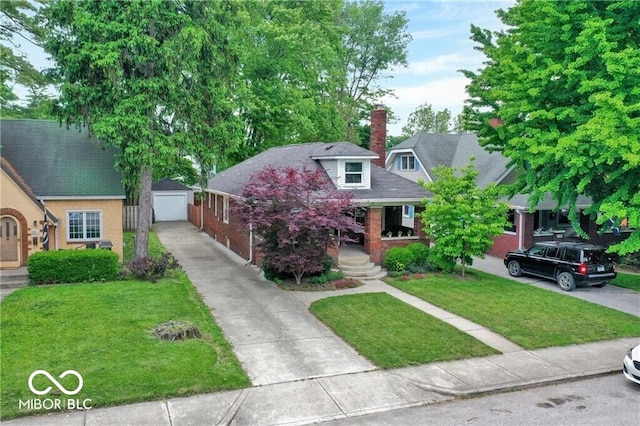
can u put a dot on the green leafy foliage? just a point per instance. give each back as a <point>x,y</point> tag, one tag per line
<point>72,266</point>
<point>372,45</point>
<point>152,78</point>
<point>559,96</point>
<point>461,218</point>
<point>412,258</point>
<point>425,119</point>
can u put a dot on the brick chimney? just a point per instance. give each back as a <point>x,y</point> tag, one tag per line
<point>378,137</point>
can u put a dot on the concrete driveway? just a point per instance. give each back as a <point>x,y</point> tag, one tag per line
<point>273,334</point>
<point>614,297</point>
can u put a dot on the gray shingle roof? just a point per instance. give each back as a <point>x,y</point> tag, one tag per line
<point>167,184</point>
<point>384,184</point>
<point>59,163</point>
<point>455,150</point>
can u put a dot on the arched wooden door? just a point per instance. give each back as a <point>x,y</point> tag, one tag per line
<point>9,242</point>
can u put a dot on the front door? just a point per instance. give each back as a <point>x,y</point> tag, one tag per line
<point>9,242</point>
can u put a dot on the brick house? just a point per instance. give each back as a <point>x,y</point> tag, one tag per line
<point>416,157</point>
<point>378,194</point>
<point>65,174</point>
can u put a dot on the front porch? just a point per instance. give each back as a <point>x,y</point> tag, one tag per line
<point>385,227</point>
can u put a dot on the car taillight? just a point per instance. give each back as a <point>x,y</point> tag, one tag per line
<point>582,269</point>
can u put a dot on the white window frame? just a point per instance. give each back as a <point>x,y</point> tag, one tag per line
<point>360,173</point>
<point>83,214</point>
<point>225,209</point>
<point>408,211</point>
<point>405,158</point>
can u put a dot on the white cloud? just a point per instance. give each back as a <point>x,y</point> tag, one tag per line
<point>441,93</point>
<point>450,62</point>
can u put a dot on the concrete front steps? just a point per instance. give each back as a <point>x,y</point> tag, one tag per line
<point>14,278</point>
<point>357,265</point>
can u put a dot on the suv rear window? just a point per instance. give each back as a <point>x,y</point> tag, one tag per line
<point>571,255</point>
<point>593,256</point>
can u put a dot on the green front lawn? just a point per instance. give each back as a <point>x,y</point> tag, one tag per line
<point>528,316</point>
<point>626,280</point>
<point>391,333</point>
<point>105,333</point>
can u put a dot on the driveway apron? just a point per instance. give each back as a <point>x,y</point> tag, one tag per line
<point>273,334</point>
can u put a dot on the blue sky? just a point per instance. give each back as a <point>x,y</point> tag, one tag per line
<point>440,47</point>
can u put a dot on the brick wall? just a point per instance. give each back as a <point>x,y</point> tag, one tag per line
<point>233,234</point>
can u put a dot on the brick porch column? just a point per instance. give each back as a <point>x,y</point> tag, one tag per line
<point>373,234</point>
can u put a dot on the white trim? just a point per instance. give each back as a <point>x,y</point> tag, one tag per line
<point>87,197</point>
<point>345,157</point>
<point>84,225</point>
<point>225,209</point>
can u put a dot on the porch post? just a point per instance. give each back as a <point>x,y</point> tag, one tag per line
<point>373,234</point>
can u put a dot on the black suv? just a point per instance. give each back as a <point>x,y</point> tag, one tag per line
<point>568,263</point>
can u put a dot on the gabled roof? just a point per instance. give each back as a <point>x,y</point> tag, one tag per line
<point>59,163</point>
<point>385,186</point>
<point>24,187</point>
<point>167,184</point>
<point>453,150</point>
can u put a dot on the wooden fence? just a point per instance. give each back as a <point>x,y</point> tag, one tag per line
<point>129,218</point>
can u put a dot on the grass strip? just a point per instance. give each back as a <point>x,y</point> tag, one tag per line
<point>630,281</point>
<point>528,316</point>
<point>391,333</point>
<point>105,333</point>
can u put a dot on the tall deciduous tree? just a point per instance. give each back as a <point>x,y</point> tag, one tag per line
<point>372,45</point>
<point>17,26</point>
<point>128,71</point>
<point>461,218</point>
<point>425,119</point>
<point>559,96</point>
<point>291,69</point>
<point>297,214</point>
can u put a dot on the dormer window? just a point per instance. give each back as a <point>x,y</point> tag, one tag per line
<point>353,173</point>
<point>406,162</point>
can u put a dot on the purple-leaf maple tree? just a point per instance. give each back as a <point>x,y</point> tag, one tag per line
<point>297,213</point>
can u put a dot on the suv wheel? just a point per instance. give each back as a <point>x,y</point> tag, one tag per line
<point>514,268</point>
<point>566,281</point>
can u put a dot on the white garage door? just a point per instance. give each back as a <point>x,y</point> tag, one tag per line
<point>170,206</point>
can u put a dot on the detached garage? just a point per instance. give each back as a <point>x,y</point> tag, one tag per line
<point>170,200</point>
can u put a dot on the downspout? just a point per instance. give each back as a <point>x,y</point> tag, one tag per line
<point>202,213</point>
<point>250,261</point>
<point>520,225</point>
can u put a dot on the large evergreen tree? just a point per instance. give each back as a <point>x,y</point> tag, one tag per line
<point>132,73</point>
<point>559,95</point>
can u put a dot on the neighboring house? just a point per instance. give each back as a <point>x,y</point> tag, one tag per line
<point>65,174</point>
<point>416,157</point>
<point>170,200</point>
<point>378,194</point>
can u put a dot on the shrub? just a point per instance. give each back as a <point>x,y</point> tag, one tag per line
<point>327,277</point>
<point>151,269</point>
<point>440,260</point>
<point>413,258</point>
<point>72,266</point>
<point>397,259</point>
<point>420,253</point>
<point>631,260</point>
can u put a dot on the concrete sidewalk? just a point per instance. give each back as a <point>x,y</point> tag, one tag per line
<point>350,395</point>
<point>302,373</point>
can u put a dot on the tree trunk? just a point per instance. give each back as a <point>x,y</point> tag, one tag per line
<point>144,214</point>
